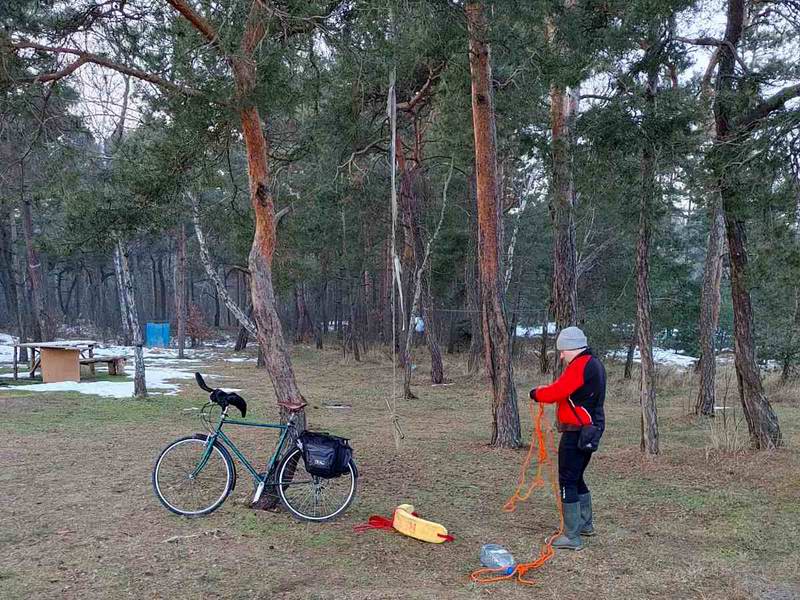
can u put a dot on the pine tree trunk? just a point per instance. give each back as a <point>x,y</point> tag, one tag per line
<point>628,374</point>
<point>563,106</point>
<point>162,286</point>
<point>305,326</point>
<point>437,368</point>
<point>19,290</point>
<point>180,289</point>
<point>647,390</point>
<point>123,301</point>
<point>132,317</point>
<point>473,283</point>
<point>497,345</point>
<point>7,274</point>
<point>154,283</point>
<point>762,422</point>
<point>268,326</point>
<point>709,310</point>
<point>544,359</point>
<point>42,324</point>
<point>78,292</point>
<point>243,337</point>
<point>415,268</point>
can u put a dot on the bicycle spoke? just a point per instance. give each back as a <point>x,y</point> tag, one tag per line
<point>314,498</point>
<point>180,491</point>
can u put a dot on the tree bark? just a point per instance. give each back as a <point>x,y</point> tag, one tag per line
<point>564,297</point>
<point>268,330</point>
<point>162,290</point>
<point>19,285</point>
<point>628,374</point>
<point>544,360</point>
<point>42,323</point>
<point>305,326</point>
<point>180,289</point>
<point>473,282</point>
<point>416,267</point>
<point>132,317</point>
<point>123,300</point>
<point>154,283</point>
<point>497,345</point>
<point>647,390</point>
<point>709,310</point>
<point>7,275</point>
<point>762,422</point>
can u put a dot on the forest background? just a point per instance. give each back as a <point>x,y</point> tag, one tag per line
<point>629,167</point>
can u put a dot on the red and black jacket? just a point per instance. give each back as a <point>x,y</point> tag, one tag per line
<point>583,383</point>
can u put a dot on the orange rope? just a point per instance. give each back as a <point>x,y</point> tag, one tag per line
<point>544,440</point>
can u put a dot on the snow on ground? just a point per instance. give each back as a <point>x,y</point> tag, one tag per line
<point>661,356</point>
<point>6,348</point>
<point>162,367</point>
<point>528,332</point>
<point>156,381</point>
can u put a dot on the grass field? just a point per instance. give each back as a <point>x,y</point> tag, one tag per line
<point>79,519</point>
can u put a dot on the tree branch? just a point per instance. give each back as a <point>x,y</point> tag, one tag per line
<point>197,21</point>
<point>433,75</point>
<point>89,57</point>
<point>709,41</point>
<point>771,104</point>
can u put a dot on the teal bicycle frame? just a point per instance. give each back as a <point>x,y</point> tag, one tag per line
<point>259,479</point>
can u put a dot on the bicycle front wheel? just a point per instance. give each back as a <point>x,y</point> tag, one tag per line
<point>187,487</point>
<point>312,498</point>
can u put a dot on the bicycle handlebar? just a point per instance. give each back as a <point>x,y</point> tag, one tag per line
<point>223,398</point>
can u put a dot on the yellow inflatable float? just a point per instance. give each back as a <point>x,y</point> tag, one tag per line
<point>409,523</point>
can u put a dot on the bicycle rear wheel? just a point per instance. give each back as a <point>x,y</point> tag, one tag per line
<point>312,498</point>
<point>186,490</point>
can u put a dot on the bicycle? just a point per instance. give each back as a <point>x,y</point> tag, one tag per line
<point>194,475</point>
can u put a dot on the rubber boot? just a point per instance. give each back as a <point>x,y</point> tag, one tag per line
<point>587,526</point>
<point>571,538</point>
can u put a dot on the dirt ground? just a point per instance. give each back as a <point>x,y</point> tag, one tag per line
<point>80,520</point>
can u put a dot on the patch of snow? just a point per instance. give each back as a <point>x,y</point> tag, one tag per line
<point>162,367</point>
<point>529,332</point>
<point>156,380</point>
<point>239,360</point>
<point>662,356</point>
<point>7,348</point>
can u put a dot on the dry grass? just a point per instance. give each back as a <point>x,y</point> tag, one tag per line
<point>80,520</point>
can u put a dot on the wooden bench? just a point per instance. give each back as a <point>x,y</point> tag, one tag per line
<point>116,364</point>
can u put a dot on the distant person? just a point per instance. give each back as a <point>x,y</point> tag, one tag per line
<point>580,393</point>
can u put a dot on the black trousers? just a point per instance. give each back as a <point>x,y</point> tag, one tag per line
<point>571,465</point>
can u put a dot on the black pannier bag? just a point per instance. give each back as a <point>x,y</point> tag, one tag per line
<point>325,455</point>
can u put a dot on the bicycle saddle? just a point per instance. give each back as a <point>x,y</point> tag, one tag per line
<point>223,398</point>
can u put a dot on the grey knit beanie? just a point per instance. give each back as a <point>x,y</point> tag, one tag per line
<point>571,338</point>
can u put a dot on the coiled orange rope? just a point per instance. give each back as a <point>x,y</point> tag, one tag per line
<point>545,442</point>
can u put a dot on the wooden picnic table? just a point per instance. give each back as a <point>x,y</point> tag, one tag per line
<point>59,361</point>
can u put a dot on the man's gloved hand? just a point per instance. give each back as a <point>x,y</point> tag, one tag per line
<point>533,395</point>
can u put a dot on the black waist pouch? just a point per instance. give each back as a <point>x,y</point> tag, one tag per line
<point>589,436</point>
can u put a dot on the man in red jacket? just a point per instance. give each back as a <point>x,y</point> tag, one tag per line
<point>579,394</point>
